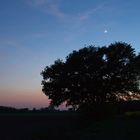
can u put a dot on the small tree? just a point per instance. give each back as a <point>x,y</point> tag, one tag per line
<point>92,76</point>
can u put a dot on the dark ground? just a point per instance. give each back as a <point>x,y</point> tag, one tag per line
<point>66,126</point>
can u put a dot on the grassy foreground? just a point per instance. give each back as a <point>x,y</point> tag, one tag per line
<point>63,125</point>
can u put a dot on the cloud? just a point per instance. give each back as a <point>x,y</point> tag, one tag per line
<point>48,6</point>
<point>52,7</point>
<point>3,56</point>
<point>86,15</point>
<point>39,2</point>
<point>8,48</point>
<point>9,43</point>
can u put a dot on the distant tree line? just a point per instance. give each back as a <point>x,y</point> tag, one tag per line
<point>4,109</point>
<point>93,76</point>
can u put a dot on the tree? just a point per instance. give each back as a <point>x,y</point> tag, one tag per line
<point>121,74</point>
<point>92,76</point>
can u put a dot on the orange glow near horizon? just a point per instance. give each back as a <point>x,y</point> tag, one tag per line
<point>23,99</point>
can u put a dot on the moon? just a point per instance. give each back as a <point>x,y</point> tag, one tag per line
<point>105,31</point>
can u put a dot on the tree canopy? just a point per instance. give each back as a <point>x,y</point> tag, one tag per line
<point>92,75</point>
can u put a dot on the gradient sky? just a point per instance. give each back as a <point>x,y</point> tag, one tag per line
<point>34,33</point>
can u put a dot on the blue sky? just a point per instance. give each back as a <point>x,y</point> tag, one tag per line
<point>34,33</point>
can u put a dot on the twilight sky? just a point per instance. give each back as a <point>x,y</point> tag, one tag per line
<point>34,33</point>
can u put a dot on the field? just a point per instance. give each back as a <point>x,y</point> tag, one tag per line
<point>52,126</point>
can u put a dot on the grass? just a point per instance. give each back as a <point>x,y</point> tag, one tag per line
<point>53,126</point>
<point>135,114</point>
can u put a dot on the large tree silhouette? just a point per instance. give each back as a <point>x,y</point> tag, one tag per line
<point>92,76</point>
